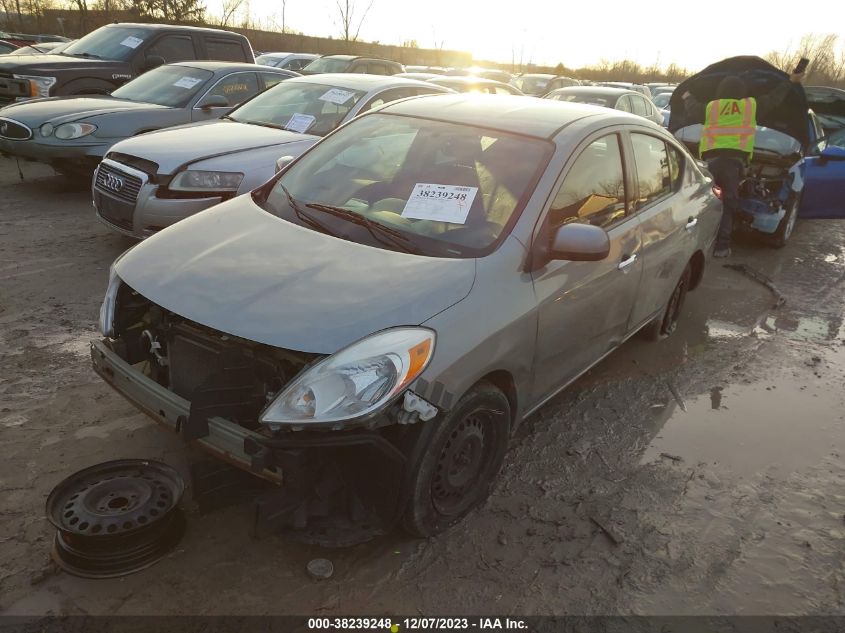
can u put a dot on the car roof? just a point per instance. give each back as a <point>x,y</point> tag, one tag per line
<point>542,75</point>
<point>510,113</point>
<point>360,81</point>
<point>353,57</point>
<point>171,27</point>
<point>279,54</point>
<point>214,66</point>
<point>606,91</point>
<point>465,79</point>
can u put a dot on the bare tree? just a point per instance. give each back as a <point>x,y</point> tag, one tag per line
<point>230,8</point>
<point>350,26</point>
<point>827,60</point>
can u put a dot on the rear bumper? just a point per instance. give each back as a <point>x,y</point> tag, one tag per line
<point>225,439</point>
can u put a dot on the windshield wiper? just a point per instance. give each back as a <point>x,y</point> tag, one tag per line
<point>261,123</point>
<point>395,238</point>
<point>87,55</point>
<point>306,218</point>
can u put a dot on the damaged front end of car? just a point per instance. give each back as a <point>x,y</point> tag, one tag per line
<point>335,434</point>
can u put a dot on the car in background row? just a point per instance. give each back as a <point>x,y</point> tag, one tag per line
<point>74,133</point>
<point>435,70</point>
<point>465,83</point>
<point>617,98</point>
<point>370,328</point>
<point>42,48</point>
<point>151,181</point>
<point>536,84</point>
<point>420,76</point>
<point>107,58</point>
<point>287,61</point>
<point>643,90</point>
<point>7,47</point>
<point>657,87</point>
<point>484,73</point>
<point>829,106</point>
<point>352,64</point>
<point>661,102</point>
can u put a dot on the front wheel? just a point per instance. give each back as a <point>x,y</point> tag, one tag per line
<point>458,461</point>
<point>787,224</point>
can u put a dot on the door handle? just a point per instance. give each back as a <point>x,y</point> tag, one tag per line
<point>627,262</point>
<point>690,225</point>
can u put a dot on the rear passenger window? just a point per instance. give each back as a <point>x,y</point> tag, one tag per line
<point>271,79</point>
<point>639,106</point>
<point>173,48</point>
<point>593,191</point>
<point>225,50</point>
<point>624,103</point>
<point>237,87</point>
<point>376,68</point>
<point>654,171</point>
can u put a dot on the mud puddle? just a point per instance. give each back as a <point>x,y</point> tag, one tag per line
<point>786,422</point>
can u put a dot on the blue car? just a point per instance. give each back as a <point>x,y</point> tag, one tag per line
<point>795,171</point>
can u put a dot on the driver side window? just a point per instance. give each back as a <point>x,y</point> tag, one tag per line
<point>593,191</point>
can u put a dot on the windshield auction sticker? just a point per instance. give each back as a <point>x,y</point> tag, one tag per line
<point>440,203</point>
<point>338,96</point>
<point>132,42</point>
<point>187,82</point>
<point>300,123</point>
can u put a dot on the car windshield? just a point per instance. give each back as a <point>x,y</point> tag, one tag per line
<point>299,106</point>
<point>108,42</point>
<point>581,97</point>
<point>327,65</point>
<point>172,86</point>
<point>531,85</point>
<point>430,187</point>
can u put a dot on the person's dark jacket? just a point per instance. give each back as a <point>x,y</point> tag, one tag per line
<point>697,110</point>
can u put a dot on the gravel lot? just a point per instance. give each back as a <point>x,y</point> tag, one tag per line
<point>703,474</point>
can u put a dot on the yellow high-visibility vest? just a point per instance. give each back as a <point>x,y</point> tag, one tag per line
<point>730,124</point>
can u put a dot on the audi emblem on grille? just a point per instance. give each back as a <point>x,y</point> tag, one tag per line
<point>112,182</point>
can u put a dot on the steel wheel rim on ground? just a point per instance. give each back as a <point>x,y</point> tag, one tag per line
<point>116,518</point>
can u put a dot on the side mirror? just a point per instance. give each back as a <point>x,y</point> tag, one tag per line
<point>213,101</point>
<point>283,162</point>
<point>580,243</point>
<point>153,61</point>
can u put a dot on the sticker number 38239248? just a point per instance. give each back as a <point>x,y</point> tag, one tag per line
<point>440,203</point>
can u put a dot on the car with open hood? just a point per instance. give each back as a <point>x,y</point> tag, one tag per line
<point>370,327</point>
<point>788,163</point>
<point>74,133</point>
<point>148,182</point>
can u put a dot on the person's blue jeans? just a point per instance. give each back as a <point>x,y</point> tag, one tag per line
<point>727,174</point>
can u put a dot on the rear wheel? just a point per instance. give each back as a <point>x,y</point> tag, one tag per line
<point>458,461</point>
<point>787,224</point>
<point>667,322</point>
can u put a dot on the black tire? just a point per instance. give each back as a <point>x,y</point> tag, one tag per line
<point>787,224</point>
<point>457,461</point>
<point>666,323</point>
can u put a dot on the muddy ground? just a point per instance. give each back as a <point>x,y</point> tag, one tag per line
<point>702,474</point>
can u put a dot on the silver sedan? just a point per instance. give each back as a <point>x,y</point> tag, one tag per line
<point>377,320</point>
<point>149,182</point>
<point>74,133</point>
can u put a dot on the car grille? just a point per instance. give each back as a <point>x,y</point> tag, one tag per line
<point>115,182</point>
<point>13,130</point>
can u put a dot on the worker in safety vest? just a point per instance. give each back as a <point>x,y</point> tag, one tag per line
<point>727,140</point>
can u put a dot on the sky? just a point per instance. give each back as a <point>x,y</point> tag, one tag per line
<point>691,33</point>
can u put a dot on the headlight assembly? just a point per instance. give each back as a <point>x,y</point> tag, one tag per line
<point>355,382</point>
<point>68,131</point>
<point>195,180</point>
<point>46,129</point>
<point>38,86</point>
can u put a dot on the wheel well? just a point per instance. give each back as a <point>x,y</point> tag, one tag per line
<point>696,263</point>
<point>503,381</point>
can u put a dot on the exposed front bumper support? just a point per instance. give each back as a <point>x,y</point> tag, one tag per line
<point>225,439</point>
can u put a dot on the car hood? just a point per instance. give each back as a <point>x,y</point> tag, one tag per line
<point>790,117</point>
<point>178,146</point>
<point>62,109</point>
<point>245,272</point>
<point>42,64</point>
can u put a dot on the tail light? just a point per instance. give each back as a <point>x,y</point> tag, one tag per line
<point>717,191</point>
